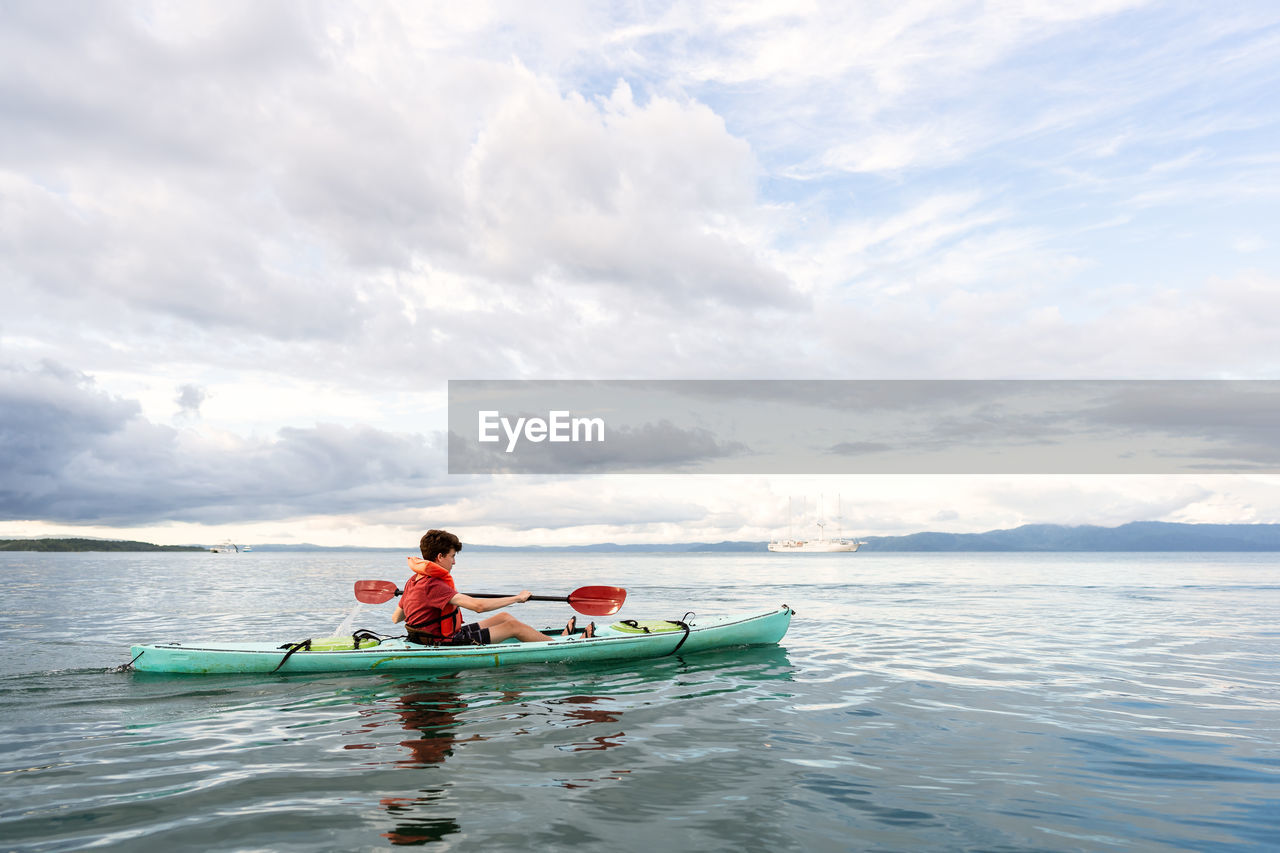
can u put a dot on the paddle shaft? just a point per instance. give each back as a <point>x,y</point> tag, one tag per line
<point>531,598</point>
<point>564,598</point>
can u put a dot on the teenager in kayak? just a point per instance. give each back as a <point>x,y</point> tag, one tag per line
<point>431,605</point>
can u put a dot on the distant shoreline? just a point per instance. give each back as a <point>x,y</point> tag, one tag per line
<point>1137,536</point>
<point>70,545</point>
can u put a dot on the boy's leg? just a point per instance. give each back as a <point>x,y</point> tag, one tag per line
<point>505,625</point>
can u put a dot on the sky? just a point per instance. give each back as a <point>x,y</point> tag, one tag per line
<point>245,246</point>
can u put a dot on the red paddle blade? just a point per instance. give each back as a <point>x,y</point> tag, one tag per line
<point>375,592</point>
<point>598,600</point>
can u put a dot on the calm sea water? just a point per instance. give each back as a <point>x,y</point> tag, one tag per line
<point>952,702</point>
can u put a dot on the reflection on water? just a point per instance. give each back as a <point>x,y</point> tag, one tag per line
<point>435,713</point>
<point>587,715</point>
<point>413,825</point>
<point>430,713</point>
<point>505,725</point>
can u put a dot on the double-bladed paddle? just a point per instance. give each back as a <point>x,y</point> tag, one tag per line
<point>587,600</point>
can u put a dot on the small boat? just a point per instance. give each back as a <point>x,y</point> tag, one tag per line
<point>227,547</point>
<point>626,640</point>
<point>821,545</point>
<point>815,546</point>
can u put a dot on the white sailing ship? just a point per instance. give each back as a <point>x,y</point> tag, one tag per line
<point>821,545</point>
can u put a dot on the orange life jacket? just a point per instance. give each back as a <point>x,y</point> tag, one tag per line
<point>425,620</point>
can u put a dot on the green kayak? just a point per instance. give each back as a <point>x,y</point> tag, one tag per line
<point>626,640</point>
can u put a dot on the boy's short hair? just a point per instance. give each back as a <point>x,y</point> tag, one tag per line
<point>437,542</point>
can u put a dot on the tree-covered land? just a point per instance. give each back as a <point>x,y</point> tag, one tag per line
<point>88,545</point>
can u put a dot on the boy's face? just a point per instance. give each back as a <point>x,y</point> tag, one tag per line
<point>446,561</point>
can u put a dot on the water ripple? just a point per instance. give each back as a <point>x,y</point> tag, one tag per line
<point>1003,702</point>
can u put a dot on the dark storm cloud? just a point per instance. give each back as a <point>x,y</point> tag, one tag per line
<point>71,453</point>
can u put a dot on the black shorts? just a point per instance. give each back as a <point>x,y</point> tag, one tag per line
<point>470,634</point>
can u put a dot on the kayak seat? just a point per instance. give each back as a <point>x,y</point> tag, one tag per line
<point>343,644</point>
<point>346,643</point>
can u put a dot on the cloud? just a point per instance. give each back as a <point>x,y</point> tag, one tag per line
<point>869,88</point>
<point>76,454</point>
<point>48,413</point>
<point>619,195</point>
<point>564,504</point>
<point>189,399</point>
<point>320,152</point>
<point>388,186</point>
<point>306,182</point>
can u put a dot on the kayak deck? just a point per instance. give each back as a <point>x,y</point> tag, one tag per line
<point>619,641</point>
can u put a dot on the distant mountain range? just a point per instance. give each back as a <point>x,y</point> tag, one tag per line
<point>1135,536</point>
